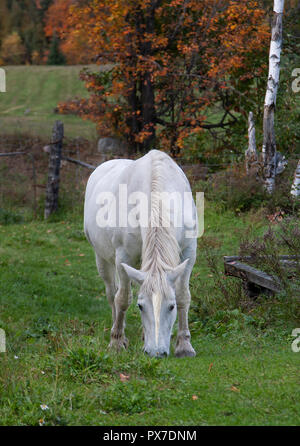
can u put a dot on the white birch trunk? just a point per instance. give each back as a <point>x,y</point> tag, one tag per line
<point>269,141</point>
<point>295,191</point>
<point>251,153</point>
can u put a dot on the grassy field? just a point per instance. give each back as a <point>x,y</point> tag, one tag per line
<point>32,94</point>
<point>57,322</point>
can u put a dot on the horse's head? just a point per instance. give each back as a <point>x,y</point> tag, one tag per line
<point>157,304</point>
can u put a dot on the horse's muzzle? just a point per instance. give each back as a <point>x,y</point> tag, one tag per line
<point>156,354</point>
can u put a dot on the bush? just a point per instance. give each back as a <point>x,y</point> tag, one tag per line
<point>8,217</point>
<point>264,253</point>
<point>281,200</point>
<point>226,306</point>
<point>13,50</point>
<point>234,190</point>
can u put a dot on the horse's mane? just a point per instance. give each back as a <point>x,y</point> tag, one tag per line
<point>160,248</point>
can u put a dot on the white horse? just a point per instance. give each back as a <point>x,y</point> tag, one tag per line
<point>165,248</point>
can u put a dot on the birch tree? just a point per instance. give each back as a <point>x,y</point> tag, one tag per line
<point>269,141</point>
<point>251,158</point>
<point>295,191</point>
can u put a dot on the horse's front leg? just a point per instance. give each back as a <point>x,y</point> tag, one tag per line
<point>122,301</point>
<point>183,342</point>
<point>183,298</point>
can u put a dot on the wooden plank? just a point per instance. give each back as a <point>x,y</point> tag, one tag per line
<point>281,257</point>
<point>250,274</point>
<point>288,261</point>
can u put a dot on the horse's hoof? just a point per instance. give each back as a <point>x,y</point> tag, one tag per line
<point>118,344</point>
<point>184,351</point>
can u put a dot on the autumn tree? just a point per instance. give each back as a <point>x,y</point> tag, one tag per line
<point>26,18</point>
<point>72,43</point>
<point>12,49</point>
<point>170,62</point>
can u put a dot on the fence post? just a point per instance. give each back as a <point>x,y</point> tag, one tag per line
<point>54,169</point>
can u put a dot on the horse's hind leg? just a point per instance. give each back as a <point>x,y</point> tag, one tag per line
<point>108,273</point>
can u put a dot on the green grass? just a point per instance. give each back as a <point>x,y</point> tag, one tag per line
<point>57,322</point>
<point>32,94</point>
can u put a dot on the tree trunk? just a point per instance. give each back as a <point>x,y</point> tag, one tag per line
<point>54,169</point>
<point>133,121</point>
<point>148,110</point>
<point>295,191</point>
<point>147,86</point>
<point>141,97</point>
<point>269,141</point>
<point>251,158</point>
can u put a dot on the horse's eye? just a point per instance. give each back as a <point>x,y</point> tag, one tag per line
<point>171,307</point>
<point>140,307</point>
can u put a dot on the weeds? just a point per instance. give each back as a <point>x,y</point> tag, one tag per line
<point>264,253</point>
<point>234,190</point>
<point>8,217</point>
<point>226,306</point>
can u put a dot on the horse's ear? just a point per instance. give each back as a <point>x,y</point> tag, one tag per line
<point>176,272</point>
<point>134,274</point>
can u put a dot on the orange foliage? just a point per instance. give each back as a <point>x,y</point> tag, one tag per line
<point>73,43</point>
<point>169,61</point>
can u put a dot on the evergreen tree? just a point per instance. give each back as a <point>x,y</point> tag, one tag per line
<point>55,55</point>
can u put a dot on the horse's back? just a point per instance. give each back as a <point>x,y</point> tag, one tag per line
<point>105,178</point>
<point>138,176</point>
<point>105,175</point>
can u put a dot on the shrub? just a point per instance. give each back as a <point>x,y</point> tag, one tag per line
<point>264,253</point>
<point>225,305</point>
<point>9,217</point>
<point>281,199</point>
<point>234,190</point>
<point>13,50</point>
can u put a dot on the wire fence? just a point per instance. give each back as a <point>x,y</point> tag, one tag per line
<point>24,169</point>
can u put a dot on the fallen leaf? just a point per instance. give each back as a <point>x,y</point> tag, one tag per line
<point>234,389</point>
<point>210,366</point>
<point>124,378</point>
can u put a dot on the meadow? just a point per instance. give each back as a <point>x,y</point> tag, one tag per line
<point>32,94</point>
<point>57,322</point>
<point>57,369</point>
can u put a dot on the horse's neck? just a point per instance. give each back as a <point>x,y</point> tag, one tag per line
<point>160,247</point>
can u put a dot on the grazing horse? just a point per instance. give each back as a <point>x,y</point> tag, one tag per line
<point>159,234</point>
